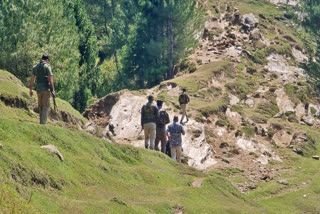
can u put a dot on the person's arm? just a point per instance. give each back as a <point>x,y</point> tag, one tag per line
<point>182,131</point>
<point>50,79</point>
<point>31,84</point>
<point>188,99</point>
<point>142,117</point>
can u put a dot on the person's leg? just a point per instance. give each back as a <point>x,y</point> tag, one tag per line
<point>46,106</point>
<point>152,135</point>
<point>146,135</point>
<point>158,138</point>
<point>183,108</point>
<point>173,152</point>
<point>163,139</point>
<point>185,113</point>
<point>40,106</point>
<point>178,154</point>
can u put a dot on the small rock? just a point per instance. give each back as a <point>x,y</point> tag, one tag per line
<point>278,115</point>
<point>252,186</point>
<point>284,182</point>
<point>54,149</point>
<point>250,103</point>
<point>316,157</point>
<point>225,160</point>
<point>298,151</point>
<point>304,196</point>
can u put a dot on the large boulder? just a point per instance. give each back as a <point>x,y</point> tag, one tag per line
<point>249,21</point>
<point>309,120</point>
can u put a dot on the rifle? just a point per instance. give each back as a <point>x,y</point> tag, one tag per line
<point>53,94</point>
<point>54,98</point>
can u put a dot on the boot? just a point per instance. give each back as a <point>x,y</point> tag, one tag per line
<point>40,115</point>
<point>43,118</point>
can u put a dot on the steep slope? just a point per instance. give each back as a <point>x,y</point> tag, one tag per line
<point>254,115</point>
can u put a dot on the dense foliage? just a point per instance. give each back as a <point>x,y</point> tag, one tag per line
<point>311,21</point>
<point>98,46</point>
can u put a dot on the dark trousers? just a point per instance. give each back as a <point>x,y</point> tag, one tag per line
<point>161,136</point>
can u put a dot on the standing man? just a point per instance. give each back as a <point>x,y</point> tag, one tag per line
<point>163,119</point>
<point>175,130</point>
<point>183,100</point>
<point>43,74</point>
<point>149,115</point>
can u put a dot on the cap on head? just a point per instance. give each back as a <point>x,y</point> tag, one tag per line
<point>45,57</point>
<point>159,102</point>
<point>175,118</point>
<point>150,98</point>
<point>184,90</point>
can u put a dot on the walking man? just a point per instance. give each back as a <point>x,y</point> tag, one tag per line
<point>183,100</point>
<point>149,115</point>
<point>174,132</point>
<point>43,74</point>
<point>163,119</point>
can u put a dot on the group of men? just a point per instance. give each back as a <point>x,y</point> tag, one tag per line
<point>153,118</point>
<point>154,121</point>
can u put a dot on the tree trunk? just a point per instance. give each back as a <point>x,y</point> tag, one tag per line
<point>170,49</point>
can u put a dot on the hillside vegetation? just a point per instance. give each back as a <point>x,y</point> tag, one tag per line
<point>95,176</point>
<point>254,113</point>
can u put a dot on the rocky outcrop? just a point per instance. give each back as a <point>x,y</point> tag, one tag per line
<point>287,2</point>
<point>249,21</point>
<point>103,107</point>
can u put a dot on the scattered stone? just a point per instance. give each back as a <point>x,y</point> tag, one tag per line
<point>54,149</point>
<point>249,103</point>
<point>298,151</point>
<point>309,120</point>
<point>223,145</point>
<point>304,196</point>
<point>284,182</point>
<point>316,157</point>
<point>197,183</point>
<point>225,160</point>
<point>252,187</point>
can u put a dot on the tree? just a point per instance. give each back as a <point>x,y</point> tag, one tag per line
<point>311,22</point>
<point>162,33</point>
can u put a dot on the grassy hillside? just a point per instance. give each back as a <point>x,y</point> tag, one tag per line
<point>99,177</point>
<point>96,176</point>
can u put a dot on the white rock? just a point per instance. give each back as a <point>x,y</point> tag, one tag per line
<point>249,103</point>
<point>234,117</point>
<point>300,110</point>
<point>52,148</point>
<point>309,120</point>
<point>233,100</point>
<point>283,101</point>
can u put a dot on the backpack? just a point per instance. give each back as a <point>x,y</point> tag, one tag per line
<point>148,112</point>
<point>163,118</point>
<point>183,99</point>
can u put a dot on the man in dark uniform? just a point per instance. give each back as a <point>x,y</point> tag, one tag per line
<point>43,75</point>
<point>149,115</point>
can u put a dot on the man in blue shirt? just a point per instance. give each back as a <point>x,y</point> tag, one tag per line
<point>174,132</point>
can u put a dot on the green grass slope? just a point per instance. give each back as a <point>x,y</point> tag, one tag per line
<point>96,176</point>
